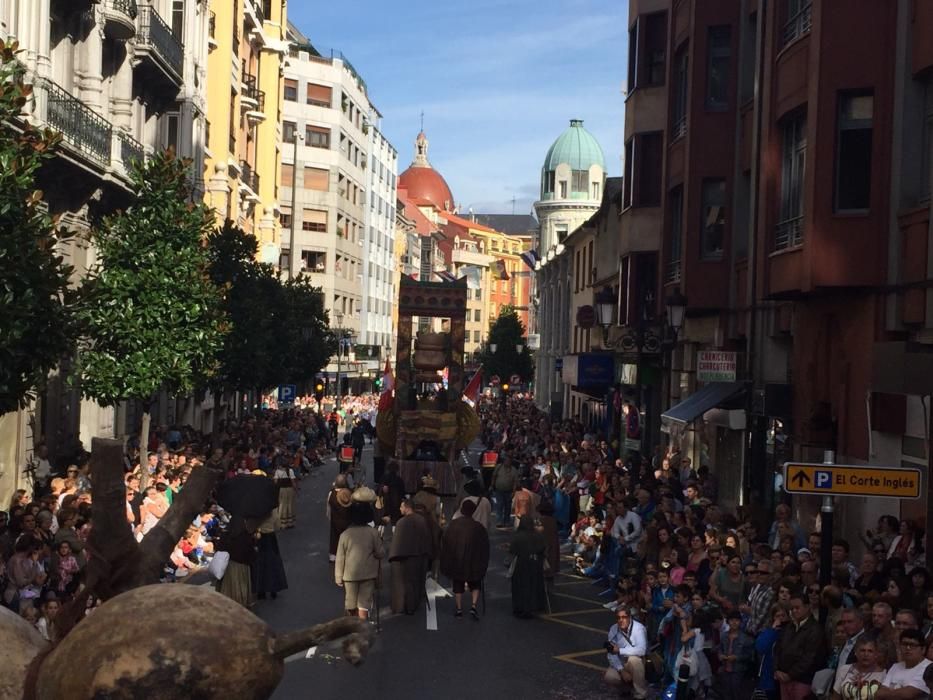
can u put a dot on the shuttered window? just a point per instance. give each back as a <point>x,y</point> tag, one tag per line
<point>319,95</point>
<point>317,179</point>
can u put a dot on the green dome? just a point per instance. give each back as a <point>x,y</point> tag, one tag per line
<point>577,148</point>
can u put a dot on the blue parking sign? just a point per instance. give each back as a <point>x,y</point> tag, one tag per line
<point>823,480</point>
<point>287,393</point>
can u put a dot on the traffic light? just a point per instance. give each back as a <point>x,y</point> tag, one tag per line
<point>377,382</point>
<point>319,390</point>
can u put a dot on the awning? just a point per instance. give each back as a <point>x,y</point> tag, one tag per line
<point>698,403</point>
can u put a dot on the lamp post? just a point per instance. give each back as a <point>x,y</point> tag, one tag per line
<point>676,305</point>
<point>343,336</point>
<point>291,233</point>
<point>605,312</point>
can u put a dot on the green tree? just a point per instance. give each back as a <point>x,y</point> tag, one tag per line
<point>35,297</point>
<point>308,342</point>
<point>153,317</point>
<point>506,333</point>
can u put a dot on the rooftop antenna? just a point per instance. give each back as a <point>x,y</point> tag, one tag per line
<point>422,120</point>
<point>513,205</point>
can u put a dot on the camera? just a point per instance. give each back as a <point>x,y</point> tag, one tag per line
<point>608,646</point>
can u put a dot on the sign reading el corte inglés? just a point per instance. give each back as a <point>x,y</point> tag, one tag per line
<point>715,366</point>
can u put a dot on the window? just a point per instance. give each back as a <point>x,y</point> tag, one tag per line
<point>549,182</point>
<point>319,95</point>
<point>288,132</point>
<point>717,67</point>
<point>317,179</point>
<point>232,125</point>
<point>291,90</point>
<point>563,189</point>
<point>595,190</point>
<point>171,123</point>
<point>561,231</point>
<point>288,175</point>
<point>713,218</point>
<point>475,336</point>
<point>579,181</point>
<point>314,220</point>
<point>477,315</point>
<point>178,19</point>
<point>479,293</point>
<point>314,260</point>
<point>798,19</point>
<point>675,202</point>
<point>647,51</point>
<point>789,230</point>
<point>853,152</point>
<point>317,136</point>
<point>926,155</point>
<point>285,219</point>
<point>681,78</point>
<point>642,178</point>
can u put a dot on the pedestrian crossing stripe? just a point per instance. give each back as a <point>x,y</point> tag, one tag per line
<point>575,657</point>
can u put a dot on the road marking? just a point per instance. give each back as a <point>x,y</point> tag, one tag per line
<point>574,597</point>
<point>585,611</point>
<point>550,618</point>
<point>434,591</point>
<point>574,659</point>
<point>311,652</point>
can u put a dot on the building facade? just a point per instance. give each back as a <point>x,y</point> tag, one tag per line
<point>248,46</point>
<point>572,186</point>
<point>118,81</point>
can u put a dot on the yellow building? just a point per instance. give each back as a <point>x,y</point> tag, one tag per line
<point>244,101</point>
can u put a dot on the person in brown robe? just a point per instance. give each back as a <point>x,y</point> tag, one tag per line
<point>338,512</point>
<point>465,556</point>
<point>392,489</point>
<point>427,503</point>
<point>411,545</point>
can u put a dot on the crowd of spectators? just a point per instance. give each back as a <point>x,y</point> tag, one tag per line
<point>733,600</point>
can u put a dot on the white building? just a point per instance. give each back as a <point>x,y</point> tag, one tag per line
<point>379,292</point>
<point>572,180</point>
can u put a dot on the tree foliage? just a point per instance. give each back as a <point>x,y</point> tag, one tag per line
<point>279,332</point>
<point>35,298</point>
<point>152,315</point>
<point>507,332</point>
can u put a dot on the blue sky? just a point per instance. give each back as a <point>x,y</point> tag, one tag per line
<point>498,81</point>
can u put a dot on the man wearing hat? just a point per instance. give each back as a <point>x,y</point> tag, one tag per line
<point>411,545</point>
<point>427,498</point>
<point>482,507</point>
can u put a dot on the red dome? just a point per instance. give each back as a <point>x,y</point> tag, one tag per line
<point>426,183</point>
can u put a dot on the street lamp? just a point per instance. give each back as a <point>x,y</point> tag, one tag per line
<point>676,310</point>
<point>519,347</point>
<point>605,311</point>
<point>343,336</point>
<point>493,347</point>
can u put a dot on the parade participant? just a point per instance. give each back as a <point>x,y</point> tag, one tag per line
<point>504,481</point>
<point>483,508</point>
<point>465,557</point>
<point>428,504</point>
<point>392,488</point>
<point>625,650</point>
<point>359,552</point>
<point>548,527</point>
<point>527,549</point>
<point>338,512</point>
<point>411,545</point>
<point>268,569</point>
<point>236,582</point>
<point>287,484</point>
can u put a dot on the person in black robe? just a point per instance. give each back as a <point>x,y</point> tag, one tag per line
<point>393,492</point>
<point>408,554</point>
<point>267,568</point>
<point>465,556</point>
<point>528,548</point>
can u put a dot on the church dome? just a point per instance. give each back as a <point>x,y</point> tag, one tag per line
<point>424,182</point>
<point>577,148</point>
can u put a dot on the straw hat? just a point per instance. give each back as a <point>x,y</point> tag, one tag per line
<point>364,494</point>
<point>428,482</point>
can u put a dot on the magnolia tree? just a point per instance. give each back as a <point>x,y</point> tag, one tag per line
<point>35,297</point>
<point>152,316</point>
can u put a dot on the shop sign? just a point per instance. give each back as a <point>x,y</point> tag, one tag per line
<point>716,366</point>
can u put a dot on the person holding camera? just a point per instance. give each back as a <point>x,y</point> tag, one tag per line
<point>625,650</point>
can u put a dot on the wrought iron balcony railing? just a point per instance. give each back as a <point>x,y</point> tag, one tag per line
<point>132,152</point>
<point>251,92</point>
<point>127,7</point>
<point>79,125</point>
<point>249,177</point>
<point>158,36</point>
<point>788,233</point>
<point>799,24</point>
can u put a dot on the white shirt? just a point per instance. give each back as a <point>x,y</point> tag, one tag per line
<point>850,684</point>
<point>635,645</point>
<point>627,528</point>
<point>899,676</point>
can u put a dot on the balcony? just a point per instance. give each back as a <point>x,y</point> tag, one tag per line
<point>672,272</point>
<point>252,99</point>
<point>788,233</point>
<point>119,19</point>
<point>132,153</point>
<point>249,180</point>
<point>159,49</point>
<point>798,25</point>
<point>253,14</point>
<point>81,128</point>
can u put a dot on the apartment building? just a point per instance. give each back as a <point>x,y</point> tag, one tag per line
<point>247,50</point>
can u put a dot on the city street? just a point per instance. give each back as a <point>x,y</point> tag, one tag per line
<point>555,656</point>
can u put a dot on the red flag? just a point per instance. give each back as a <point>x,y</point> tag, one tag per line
<point>388,384</point>
<point>471,393</point>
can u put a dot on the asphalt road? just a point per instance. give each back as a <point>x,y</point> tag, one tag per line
<point>556,655</point>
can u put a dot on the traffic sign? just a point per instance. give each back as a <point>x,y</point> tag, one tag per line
<point>851,480</point>
<point>515,379</point>
<point>287,393</point>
